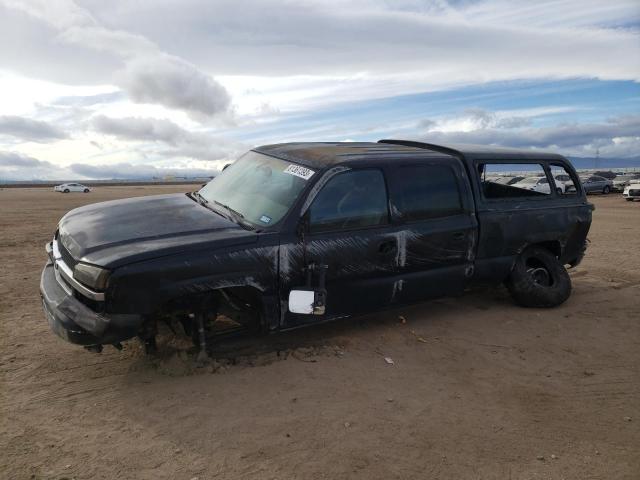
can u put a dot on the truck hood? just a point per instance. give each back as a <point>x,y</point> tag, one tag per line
<point>118,232</point>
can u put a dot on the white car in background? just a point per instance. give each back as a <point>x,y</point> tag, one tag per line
<point>562,181</point>
<point>71,187</point>
<point>632,191</point>
<point>622,181</point>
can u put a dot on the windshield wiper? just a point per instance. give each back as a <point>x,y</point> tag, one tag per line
<point>227,207</point>
<point>200,198</point>
<point>205,203</point>
<point>237,216</point>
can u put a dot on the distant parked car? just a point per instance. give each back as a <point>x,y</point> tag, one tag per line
<point>537,184</point>
<point>632,191</point>
<point>71,187</point>
<point>609,175</point>
<point>596,184</point>
<point>621,181</point>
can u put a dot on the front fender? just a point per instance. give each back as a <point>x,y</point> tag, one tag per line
<point>145,287</point>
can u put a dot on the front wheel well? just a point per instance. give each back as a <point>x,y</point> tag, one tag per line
<point>242,304</point>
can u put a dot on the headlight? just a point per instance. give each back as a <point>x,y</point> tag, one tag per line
<point>91,276</point>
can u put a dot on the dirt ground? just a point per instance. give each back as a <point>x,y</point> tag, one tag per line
<point>479,388</point>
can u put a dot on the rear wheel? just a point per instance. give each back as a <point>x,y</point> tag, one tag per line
<point>538,279</point>
<point>606,189</point>
<point>66,190</point>
<point>559,191</point>
<point>86,190</point>
<point>629,199</point>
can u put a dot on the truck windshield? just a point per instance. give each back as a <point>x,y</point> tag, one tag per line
<point>258,188</point>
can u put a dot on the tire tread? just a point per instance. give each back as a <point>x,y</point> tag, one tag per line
<point>527,293</point>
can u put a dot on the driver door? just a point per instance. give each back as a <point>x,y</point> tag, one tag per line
<point>349,231</point>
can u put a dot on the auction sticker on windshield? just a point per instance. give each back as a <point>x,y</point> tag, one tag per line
<point>299,171</point>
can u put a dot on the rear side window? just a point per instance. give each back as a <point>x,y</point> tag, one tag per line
<point>350,200</point>
<point>509,180</point>
<point>424,192</point>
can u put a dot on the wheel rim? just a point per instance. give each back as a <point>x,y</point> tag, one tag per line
<point>539,272</point>
<point>540,276</point>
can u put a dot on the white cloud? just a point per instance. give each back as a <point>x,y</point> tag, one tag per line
<point>413,45</point>
<point>15,167</point>
<point>143,129</point>
<point>616,137</point>
<point>184,143</point>
<point>174,83</point>
<point>148,74</point>
<point>475,118</point>
<point>27,129</point>
<point>128,82</point>
<point>13,159</point>
<point>308,52</point>
<point>554,13</point>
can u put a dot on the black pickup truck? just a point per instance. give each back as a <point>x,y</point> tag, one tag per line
<point>301,233</point>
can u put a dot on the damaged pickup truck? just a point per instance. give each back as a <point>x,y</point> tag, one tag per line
<point>296,234</point>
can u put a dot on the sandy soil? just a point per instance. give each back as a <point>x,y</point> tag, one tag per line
<point>479,388</point>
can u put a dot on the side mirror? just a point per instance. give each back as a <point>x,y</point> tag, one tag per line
<point>307,302</point>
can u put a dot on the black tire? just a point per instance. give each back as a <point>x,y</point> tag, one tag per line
<point>629,199</point>
<point>538,279</point>
<point>606,189</point>
<point>66,190</point>
<point>559,191</point>
<point>86,190</point>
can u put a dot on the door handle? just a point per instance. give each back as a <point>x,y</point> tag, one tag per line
<point>458,236</point>
<point>387,247</point>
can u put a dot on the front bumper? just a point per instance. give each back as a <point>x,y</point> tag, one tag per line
<point>632,193</point>
<point>73,321</point>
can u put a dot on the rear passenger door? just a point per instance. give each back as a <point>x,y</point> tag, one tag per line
<point>432,203</point>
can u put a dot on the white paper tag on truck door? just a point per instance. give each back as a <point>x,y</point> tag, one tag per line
<point>298,171</point>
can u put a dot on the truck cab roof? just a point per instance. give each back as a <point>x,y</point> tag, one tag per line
<point>320,155</point>
<point>470,151</point>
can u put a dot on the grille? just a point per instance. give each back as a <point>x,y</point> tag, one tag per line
<point>66,256</point>
<point>94,305</point>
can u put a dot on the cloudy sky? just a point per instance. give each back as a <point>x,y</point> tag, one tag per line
<point>95,89</point>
